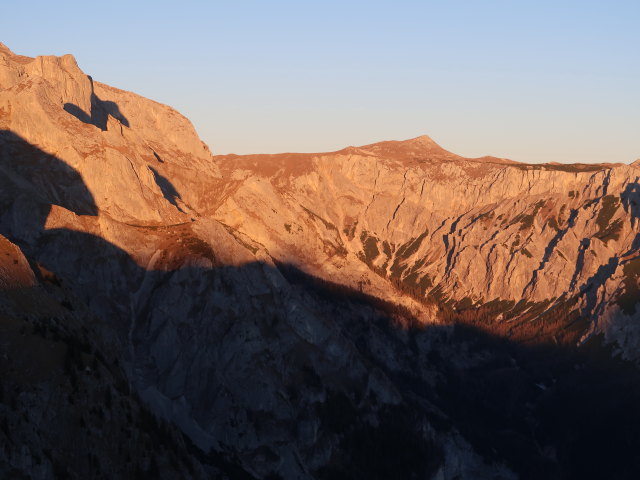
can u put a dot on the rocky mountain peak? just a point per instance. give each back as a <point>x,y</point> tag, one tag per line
<point>421,140</point>
<point>386,311</point>
<point>4,50</point>
<point>416,148</point>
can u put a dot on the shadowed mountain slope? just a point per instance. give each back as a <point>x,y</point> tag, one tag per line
<point>391,310</point>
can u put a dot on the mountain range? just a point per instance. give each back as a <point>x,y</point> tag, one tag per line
<point>385,311</point>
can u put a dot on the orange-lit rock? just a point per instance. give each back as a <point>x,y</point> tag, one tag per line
<point>292,313</point>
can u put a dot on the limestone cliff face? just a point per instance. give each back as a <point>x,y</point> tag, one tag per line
<point>116,141</point>
<point>478,230</point>
<point>293,313</point>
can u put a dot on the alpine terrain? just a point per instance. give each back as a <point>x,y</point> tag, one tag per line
<point>388,311</point>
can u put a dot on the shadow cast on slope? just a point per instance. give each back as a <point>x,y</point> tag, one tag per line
<point>30,175</point>
<point>629,260</point>
<point>631,202</point>
<point>545,411</point>
<point>166,187</point>
<point>100,111</point>
<point>105,278</point>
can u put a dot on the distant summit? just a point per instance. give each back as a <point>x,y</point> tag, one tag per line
<point>386,311</point>
<point>415,148</point>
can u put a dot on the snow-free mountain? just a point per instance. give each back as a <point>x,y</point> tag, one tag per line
<point>385,311</point>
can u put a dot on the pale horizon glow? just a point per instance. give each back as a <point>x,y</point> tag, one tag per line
<point>529,81</point>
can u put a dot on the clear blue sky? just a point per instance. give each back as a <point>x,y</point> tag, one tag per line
<point>528,80</point>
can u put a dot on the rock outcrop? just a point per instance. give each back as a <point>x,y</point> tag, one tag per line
<point>332,315</point>
<point>460,231</point>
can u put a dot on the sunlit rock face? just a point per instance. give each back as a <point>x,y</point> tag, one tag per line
<point>466,230</point>
<point>331,315</point>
